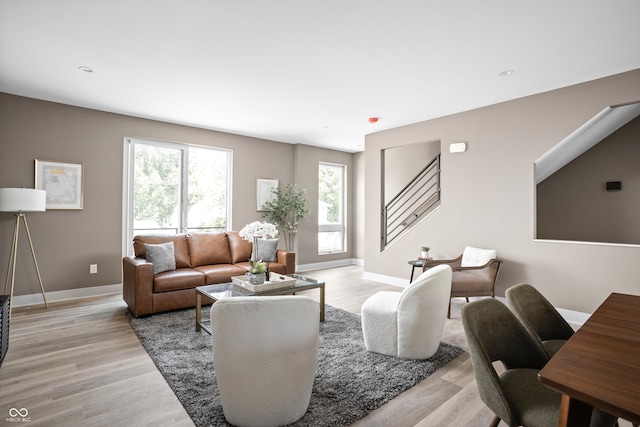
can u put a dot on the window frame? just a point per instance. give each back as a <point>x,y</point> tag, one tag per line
<point>340,227</point>
<point>128,181</point>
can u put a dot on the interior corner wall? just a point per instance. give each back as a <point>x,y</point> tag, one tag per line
<point>307,160</point>
<point>488,195</point>
<point>358,207</point>
<point>66,241</point>
<point>574,204</point>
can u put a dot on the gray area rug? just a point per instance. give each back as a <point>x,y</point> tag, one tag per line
<point>350,382</point>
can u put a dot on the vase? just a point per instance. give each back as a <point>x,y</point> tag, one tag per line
<point>254,249</point>
<point>255,279</point>
<point>424,254</point>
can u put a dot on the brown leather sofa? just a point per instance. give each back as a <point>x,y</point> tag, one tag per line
<point>201,259</point>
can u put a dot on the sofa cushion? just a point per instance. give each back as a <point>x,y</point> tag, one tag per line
<point>182,278</point>
<point>208,249</point>
<point>220,273</point>
<point>180,247</point>
<point>267,249</point>
<point>240,248</point>
<point>161,256</point>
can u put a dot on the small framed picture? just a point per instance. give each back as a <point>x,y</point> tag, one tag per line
<point>63,182</point>
<point>264,191</point>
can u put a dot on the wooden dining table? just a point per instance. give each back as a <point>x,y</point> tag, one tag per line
<point>599,366</point>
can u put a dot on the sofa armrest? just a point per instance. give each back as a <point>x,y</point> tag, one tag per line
<point>288,259</point>
<point>137,285</point>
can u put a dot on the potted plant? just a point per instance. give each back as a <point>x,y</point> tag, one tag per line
<point>287,208</point>
<point>424,251</point>
<point>256,274</point>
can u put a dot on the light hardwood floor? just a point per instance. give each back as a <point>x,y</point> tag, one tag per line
<point>80,363</point>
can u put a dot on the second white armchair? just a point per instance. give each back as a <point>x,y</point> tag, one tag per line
<point>409,324</point>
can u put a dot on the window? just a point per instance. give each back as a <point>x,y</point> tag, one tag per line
<point>331,208</point>
<point>175,188</point>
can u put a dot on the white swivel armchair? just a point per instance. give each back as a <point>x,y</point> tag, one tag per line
<point>265,354</point>
<point>409,324</point>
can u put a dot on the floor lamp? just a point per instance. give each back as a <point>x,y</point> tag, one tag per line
<point>19,201</point>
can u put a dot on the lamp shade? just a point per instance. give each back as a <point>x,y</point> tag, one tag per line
<point>22,200</point>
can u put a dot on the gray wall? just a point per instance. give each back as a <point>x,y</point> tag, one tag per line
<point>66,242</point>
<point>488,195</point>
<point>359,178</point>
<point>306,170</point>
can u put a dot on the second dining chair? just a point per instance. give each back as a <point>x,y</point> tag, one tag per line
<point>539,316</point>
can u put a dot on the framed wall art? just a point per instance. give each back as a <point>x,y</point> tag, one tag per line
<point>264,191</point>
<point>63,182</point>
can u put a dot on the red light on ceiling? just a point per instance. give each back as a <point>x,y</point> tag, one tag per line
<point>373,119</point>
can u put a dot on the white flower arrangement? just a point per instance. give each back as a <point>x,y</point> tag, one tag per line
<point>258,229</point>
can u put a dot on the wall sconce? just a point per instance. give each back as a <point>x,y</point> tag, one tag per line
<point>458,147</point>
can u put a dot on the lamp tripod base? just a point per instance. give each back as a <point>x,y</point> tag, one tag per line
<point>11,271</point>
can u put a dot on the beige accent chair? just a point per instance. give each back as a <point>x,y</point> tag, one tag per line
<point>514,395</point>
<point>474,273</point>
<point>408,324</point>
<point>265,354</point>
<point>539,317</point>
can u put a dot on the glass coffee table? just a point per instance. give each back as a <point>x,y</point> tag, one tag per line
<point>226,290</point>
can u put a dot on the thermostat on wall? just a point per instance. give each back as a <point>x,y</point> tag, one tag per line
<point>614,185</point>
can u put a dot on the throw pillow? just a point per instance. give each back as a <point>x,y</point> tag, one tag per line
<point>161,256</point>
<point>267,249</point>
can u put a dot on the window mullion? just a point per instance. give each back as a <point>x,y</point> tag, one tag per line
<point>184,191</point>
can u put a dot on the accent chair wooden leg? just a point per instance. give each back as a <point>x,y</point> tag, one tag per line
<point>449,310</point>
<point>495,421</point>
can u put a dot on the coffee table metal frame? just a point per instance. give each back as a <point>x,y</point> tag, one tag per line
<point>222,290</point>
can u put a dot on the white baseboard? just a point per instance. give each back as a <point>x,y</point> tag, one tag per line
<point>69,294</point>
<point>574,317</point>
<point>388,280</point>
<point>327,264</point>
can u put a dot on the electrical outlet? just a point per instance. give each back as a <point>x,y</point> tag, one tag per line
<point>93,268</point>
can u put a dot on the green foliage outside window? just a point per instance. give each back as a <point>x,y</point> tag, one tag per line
<point>159,183</point>
<point>329,191</point>
<point>157,178</point>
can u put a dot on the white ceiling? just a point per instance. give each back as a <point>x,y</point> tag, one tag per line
<point>307,72</point>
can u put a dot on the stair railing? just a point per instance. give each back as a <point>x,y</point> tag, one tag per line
<point>417,199</point>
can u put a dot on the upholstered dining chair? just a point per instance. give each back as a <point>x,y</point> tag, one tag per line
<point>265,354</point>
<point>514,395</point>
<point>539,317</point>
<point>475,273</point>
<point>408,324</point>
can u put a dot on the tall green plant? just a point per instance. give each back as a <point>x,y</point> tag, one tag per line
<point>287,208</point>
